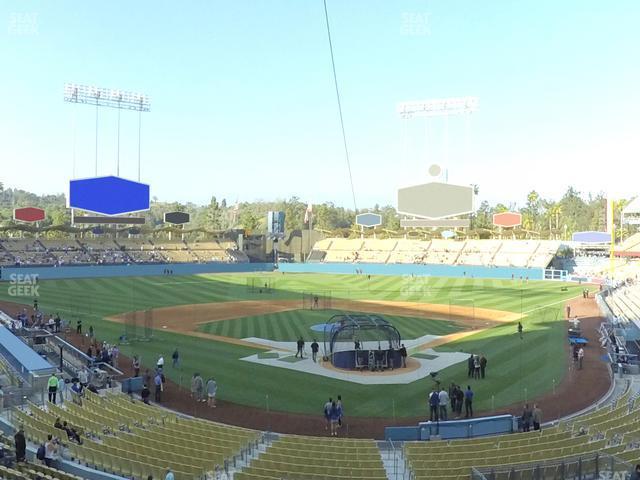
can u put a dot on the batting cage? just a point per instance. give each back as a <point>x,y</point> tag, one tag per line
<point>356,340</point>
<point>316,300</point>
<point>261,284</point>
<point>138,327</point>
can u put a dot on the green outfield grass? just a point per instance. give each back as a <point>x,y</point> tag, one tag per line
<point>293,324</point>
<point>533,363</point>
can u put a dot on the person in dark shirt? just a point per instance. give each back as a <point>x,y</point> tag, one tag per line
<point>520,329</point>
<point>21,445</point>
<point>468,402</point>
<point>300,347</point>
<point>403,355</point>
<point>314,350</point>
<point>145,394</point>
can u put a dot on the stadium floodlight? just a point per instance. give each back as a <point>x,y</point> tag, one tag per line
<point>112,98</point>
<point>106,97</point>
<point>438,107</point>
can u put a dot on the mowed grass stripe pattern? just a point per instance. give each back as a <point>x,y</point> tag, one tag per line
<point>513,364</point>
<point>293,324</point>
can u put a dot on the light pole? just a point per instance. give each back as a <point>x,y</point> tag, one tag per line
<point>438,107</point>
<point>112,98</point>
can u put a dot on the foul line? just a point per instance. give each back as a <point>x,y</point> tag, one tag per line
<point>549,304</point>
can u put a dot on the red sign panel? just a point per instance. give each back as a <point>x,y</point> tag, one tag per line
<point>507,219</point>
<point>28,214</point>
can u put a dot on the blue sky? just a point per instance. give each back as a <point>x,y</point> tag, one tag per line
<point>243,103</point>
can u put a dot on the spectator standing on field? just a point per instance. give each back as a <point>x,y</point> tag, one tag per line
<point>136,366</point>
<point>476,366</point>
<point>403,355</point>
<point>520,329</point>
<point>200,389</point>
<point>470,366</point>
<point>537,417</point>
<point>300,344</point>
<point>79,326</point>
<point>145,394</point>
<point>327,413</point>
<point>527,416</point>
<point>115,353</point>
<point>452,397</point>
<point>334,417</point>
<point>160,362</point>
<point>194,386</point>
<point>468,402</point>
<point>340,410</point>
<point>580,358</point>
<point>460,399</point>
<point>158,390</point>
<point>175,357</point>
<point>434,404</point>
<point>314,350</point>
<point>444,403</point>
<point>483,365</point>
<point>212,388</point>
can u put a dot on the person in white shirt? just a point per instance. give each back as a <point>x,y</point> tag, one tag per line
<point>83,377</point>
<point>580,357</point>
<point>444,403</point>
<point>160,362</point>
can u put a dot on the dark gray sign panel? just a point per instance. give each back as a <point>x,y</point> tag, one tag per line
<point>177,218</point>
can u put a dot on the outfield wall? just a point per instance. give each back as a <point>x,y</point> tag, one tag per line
<point>92,271</point>
<point>414,269</point>
<point>136,270</point>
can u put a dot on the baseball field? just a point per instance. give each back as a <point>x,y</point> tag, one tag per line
<point>211,320</point>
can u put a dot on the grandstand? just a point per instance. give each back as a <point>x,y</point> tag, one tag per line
<point>612,430</point>
<point>498,253</point>
<point>131,439</point>
<point>630,246</point>
<point>126,437</point>
<point>108,251</point>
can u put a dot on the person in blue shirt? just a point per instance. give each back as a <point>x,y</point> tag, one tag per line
<point>158,383</point>
<point>334,416</point>
<point>434,403</point>
<point>468,402</point>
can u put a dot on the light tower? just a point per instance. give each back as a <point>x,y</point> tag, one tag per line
<point>112,98</point>
<point>439,107</point>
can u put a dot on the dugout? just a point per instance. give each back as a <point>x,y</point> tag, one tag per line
<point>374,335</point>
